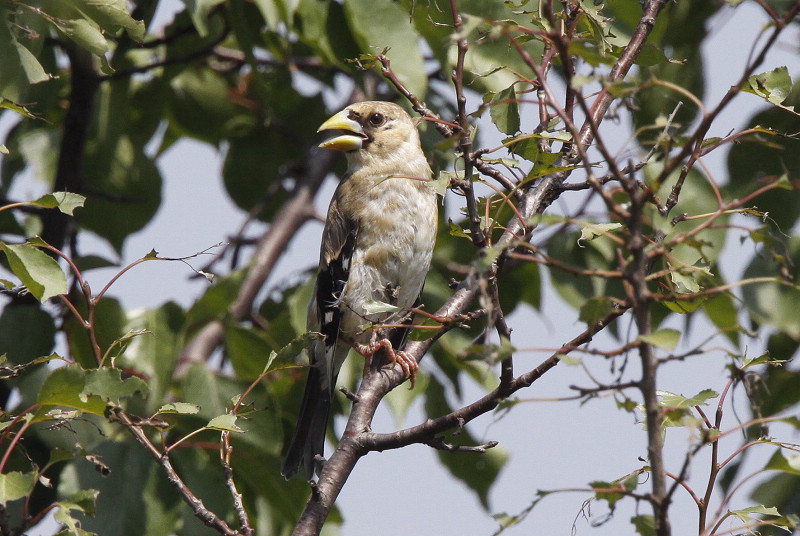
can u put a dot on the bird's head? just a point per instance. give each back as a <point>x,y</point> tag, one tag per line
<point>371,128</point>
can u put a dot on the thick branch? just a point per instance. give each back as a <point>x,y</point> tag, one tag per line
<point>69,173</point>
<point>426,431</point>
<point>640,301</point>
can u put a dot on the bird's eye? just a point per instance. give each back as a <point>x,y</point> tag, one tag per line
<point>377,119</point>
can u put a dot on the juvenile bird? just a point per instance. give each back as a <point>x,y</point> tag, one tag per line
<point>376,247</point>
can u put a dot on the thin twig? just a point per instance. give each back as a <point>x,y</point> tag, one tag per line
<point>205,515</point>
<point>225,459</point>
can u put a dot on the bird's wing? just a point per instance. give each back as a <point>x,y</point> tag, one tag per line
<point>338,242</point>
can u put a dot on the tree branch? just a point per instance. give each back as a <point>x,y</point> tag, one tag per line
<point>205,515</point>
<point>357,439</point>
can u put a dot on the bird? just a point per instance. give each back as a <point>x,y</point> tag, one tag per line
<point>376,248</point>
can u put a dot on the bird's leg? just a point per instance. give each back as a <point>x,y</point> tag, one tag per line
<point>405,360</point>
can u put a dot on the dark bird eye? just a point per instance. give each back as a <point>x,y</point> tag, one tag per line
<point>376,119</point>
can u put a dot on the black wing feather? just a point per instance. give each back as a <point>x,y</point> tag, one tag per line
<point>308,439</point>
<point>330,285</point>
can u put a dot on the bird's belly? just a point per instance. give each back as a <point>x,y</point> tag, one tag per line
<point>389,267</point>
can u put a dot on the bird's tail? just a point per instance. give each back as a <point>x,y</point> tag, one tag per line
<point>308,439</point>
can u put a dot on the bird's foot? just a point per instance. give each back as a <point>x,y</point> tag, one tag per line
<point>399,357</point>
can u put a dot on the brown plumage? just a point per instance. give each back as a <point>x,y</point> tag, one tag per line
<point>376,247</point>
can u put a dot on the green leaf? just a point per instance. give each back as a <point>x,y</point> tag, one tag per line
<point>485,258</point>
<point>489,353</point>
<point>774,303</point>
<point>33,69</point>
<point>180,408</point>
<point>389,28</point>
<point>505,521</point>
<point>457,231</point>
<point>84,500</point>
<point>722,312</point>
<point>768,152</point>
<point>544,166</point>
<point>785,465</point>
<point>14,107</point>
<point>522,283</point>
<point>249,171</point>
<point>126,186</point>
<point>400,400</point>
<point>66,202</point>
<point>286,356</point>
<point>590,231</point>
<point>112,16</point>
<point>64,387</point>
<point>26,332</point>
<point>671,400</point>
<point>596,254</point>
<point>224,423</point>
<point>594,310</point>
<point>645,525</point>
<point>39,272</point>
<point>686,282</point>
<point>601,492</point>
<point>93,262</point>
<point>132,499</point>
<point>491,64</point>
<point>201,104</point>
<point>376,306</point>
<point>214,302</point>
<point>109,326</point>
<point>592,55</point>
<point>504,110</point>
<point>684,306</point>
<point>15,485</point>
<point>746,514</point>
<point>20,67</point>
<point>569,360</point>
<point>107,383</point>
<point>773,86</point>
<point>277,11</point>
<point>298,305</point>
<point>247,351</point>
<point>525,146</point>
<point>666,339</point>
<point>315,20</point>
<point>757,360</point>
<point>71,526</point>
<point>84,33</point>
<point>478,471</point>
<point>199,11</point>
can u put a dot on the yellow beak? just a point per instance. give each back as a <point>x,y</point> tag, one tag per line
<point>345,142</point>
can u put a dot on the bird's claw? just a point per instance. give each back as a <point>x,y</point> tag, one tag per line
<point>406,361</point>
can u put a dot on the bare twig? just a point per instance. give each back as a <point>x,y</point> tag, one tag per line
<point>465,140</point>
<point>225,459</point>
<point>693,146</point>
